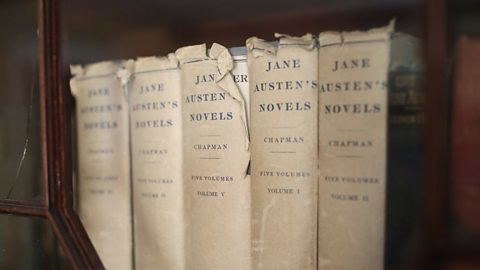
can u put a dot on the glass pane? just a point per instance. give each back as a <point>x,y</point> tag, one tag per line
<point>147,28</point>
<point>464,187</point>
<point>28,243</point>
<point>19,101</point>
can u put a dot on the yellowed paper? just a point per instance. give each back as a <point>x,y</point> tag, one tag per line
<point>216,158</point>
<point>156,132</point>
<point>353,68</point>
<point>240,75</point>
<point>284,93</point>
<point>103,161</point>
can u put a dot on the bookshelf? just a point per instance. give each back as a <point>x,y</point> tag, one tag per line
<point>121,29</point>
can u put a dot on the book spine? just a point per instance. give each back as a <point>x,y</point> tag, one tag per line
<point>156,132</point>
<point>240,76</point>
<point>353,73</point>
<point>465,167</point>
<point>284,93</point>
<point>405,151</point>
<point>103,161</point>
<point>216,158</point>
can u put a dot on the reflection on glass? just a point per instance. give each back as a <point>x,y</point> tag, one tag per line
<point>107,35</point>
<point>28,243</point>
<point>19,110</point>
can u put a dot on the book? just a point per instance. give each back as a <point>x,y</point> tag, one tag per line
<point>216,157</point>
<point>104,204</point>
<point>405,148</point>
<point>157,172</point>
<point>353,82</point>
<point>240,75</point>
<point>283,107</point>
<point>465,136</point>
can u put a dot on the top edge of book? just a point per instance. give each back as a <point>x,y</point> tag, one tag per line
<point>98,69</point>
<point>238,51</point>
<point>307,41</point>
<point>374,35</point>
<point>192,53</point>
<point>406,52</point>
<point>200,53</point>
<point>155,63</point>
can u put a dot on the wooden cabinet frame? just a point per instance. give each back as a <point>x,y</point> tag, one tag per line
<point>56,155</point>
<point>56,142</point>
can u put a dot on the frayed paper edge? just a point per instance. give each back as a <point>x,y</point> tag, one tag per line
<point>340,38</point>
<point>98,69</point>
<point>258,47</point>
<point>155,63</point>
<point>307,41</point>
<point>224,80</point>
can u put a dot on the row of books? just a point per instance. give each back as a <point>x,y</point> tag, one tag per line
<point>268,156</point>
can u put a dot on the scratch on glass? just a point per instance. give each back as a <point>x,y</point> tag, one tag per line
<point>27,135</point>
